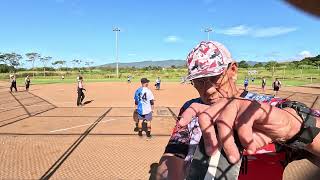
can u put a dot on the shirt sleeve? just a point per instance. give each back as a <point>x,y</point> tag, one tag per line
<point>135,97</point>
<point>151,97</point>
<point>179,141</point>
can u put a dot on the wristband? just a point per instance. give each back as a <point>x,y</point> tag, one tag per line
<point>308,129</point>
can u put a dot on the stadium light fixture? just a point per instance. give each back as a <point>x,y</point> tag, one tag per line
<point>116,29</point>
<point>208,30</point>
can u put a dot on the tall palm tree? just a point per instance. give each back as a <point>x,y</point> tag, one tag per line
<point>44,61</point>
<point>32,57</point>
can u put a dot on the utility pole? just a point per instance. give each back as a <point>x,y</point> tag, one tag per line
<point>208,30</point>
<point>116,29</point>
<point>272,71</point>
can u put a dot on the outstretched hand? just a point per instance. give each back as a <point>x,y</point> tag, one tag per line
<point>257,125</point>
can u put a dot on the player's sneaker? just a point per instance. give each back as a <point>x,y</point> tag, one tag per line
<point>136,129</point>
<point>140,133</point>
<point>149,135</point>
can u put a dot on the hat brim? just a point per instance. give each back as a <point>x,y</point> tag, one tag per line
<point>202,75</point>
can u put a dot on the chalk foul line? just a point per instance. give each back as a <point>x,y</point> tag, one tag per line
<point>80,126</point>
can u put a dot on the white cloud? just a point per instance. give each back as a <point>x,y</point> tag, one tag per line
<point>304,54</point>
<point>172,39</point>
<point>132,54</point>
<point>273,31</point>
<point>235,31</point>
<point>243,30</point>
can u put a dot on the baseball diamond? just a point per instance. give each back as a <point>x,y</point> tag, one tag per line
<point>43,134</point>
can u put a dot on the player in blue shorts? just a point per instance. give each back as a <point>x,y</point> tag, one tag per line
<point>144,102</point>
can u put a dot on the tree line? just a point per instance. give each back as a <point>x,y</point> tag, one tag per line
<point>12,62</point>
<point>308,62</point>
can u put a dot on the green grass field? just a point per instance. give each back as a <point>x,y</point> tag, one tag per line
<point>289,77</point>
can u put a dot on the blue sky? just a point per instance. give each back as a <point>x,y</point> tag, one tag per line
<point>156,29</point>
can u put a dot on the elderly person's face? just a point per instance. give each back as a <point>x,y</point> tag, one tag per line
<point>212,88</point>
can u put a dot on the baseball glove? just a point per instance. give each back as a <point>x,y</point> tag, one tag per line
<point>135,116</point>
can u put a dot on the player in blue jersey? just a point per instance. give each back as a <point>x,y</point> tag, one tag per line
<point>144,102</point>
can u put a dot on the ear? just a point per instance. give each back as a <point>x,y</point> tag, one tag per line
<point>233,70</point>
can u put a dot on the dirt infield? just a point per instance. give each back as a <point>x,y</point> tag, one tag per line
<point>44,135</point>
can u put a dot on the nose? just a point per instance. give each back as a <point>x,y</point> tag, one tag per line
<point>208,90</point>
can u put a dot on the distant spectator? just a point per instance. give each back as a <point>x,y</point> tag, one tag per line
<point>263,84</point>
<point>158,81</point>
<point>182,80</point>
<point>276,86</point>
<point>129,79</point>
<point>246,83</point>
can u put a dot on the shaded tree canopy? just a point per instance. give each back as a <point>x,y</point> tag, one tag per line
<point>243,64</point>
<point>46,59</point>
<point>60,62</point>
<point>12,59</point>
<point>32,56</point>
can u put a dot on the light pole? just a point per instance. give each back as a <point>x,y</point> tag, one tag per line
<point>117,55</point>
<point>208,30</point>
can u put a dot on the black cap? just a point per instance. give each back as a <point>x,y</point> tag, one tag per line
<point>144,80</point>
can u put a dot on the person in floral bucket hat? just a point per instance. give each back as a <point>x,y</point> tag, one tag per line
<point>207,59</point>
<point>231,134</point>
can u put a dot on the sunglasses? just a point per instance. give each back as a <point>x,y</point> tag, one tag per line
<point>203,82</point>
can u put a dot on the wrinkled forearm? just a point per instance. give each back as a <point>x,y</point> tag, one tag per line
<point>279,124</point>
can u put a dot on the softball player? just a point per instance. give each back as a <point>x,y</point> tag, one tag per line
<point>27,82</point>
<point>80,90</point>
<point>158,81</point>
<point>13,82</point>
<point>144,102</point>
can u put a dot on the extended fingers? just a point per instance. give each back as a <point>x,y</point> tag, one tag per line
<point>226,136</point>
<point>208,134</point>
<point>206,120</point>
<point>193,110</point>
<point>261,139</point>
<point>225,127</point>
<point>246,137</point>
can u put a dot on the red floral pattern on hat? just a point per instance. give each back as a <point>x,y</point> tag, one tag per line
<point>207,59</point>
